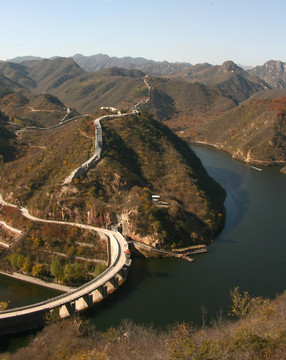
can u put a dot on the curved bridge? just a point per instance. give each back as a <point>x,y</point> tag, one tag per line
<point>34,316</point>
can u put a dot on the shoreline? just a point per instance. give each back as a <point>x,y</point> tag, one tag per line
<point>250,163</point>
<point>36,281</point>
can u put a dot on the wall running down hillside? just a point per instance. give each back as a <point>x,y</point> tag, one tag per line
<point>83,168</point>
<point>29,317</point>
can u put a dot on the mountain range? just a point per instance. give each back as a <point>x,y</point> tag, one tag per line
<point>272,72</point>
<point>190,99</point>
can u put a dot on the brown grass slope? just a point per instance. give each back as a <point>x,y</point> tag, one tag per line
<point>17,73</point>
<point>111,87</point>
<point>38,110</point>
<point>185,106</point>
<point>254,131</point>
<point>258,333</point>
<point>231,79</point>
<point>49,74</point>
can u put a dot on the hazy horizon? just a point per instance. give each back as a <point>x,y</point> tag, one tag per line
<point>247,32</point>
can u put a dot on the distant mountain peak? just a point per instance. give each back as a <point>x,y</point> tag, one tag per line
<point>275,65</point>
<point>230,66</point>
<point>151,67</point>
<point>20,59</point>
<point>273,72</point>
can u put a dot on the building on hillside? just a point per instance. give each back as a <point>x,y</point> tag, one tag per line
<point>155,198</point>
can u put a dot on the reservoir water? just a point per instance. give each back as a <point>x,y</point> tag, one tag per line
<point>250,253</point>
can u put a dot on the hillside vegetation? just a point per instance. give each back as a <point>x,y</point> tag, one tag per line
<point>258,333</point>
<point>231,79</point>
<point>140,157</point>
<point>191,100</point>
<point>111,87</point>
<point>61,253</point>
<point>185,106</point>
<point>45,157</point>
<point>8,144</point>
<point>255,131</point>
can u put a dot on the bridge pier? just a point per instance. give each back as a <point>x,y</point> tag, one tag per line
<point>88,300</point>
<point>123,273</point>
<point>83,302</point>
<point>67,309</point>
<point>99,294</point>
<point>66,305</point>
<point>103,291</point>
<point>115,281</point>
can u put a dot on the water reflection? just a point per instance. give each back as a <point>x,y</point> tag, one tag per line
<point>250,253</point>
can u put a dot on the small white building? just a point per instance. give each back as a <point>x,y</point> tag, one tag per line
<point>155,198</point>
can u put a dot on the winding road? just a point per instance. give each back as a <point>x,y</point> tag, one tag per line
<point>93,291</point>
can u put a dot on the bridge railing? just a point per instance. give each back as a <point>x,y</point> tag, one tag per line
<point>78,292</point>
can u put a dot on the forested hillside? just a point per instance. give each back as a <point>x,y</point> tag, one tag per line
<point>140,157</point>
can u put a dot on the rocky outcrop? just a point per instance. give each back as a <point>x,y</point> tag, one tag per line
<point>273,72</point>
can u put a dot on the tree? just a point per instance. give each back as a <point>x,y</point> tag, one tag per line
<point>57,269</point>
<point>3,305</point>
<point>38,270</point>
<point>16,260</point>
<point>73,273</point>
<point>27,265</point>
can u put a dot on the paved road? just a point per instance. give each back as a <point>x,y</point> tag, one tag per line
<point>118,261</point>
<point>10,228</point>
<point>118,243</point>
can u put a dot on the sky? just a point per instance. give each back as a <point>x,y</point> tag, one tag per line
<point>249,32</point>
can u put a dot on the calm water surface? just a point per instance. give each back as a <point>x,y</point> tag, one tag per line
<point>250,253</point>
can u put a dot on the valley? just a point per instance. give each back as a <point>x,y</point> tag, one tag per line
<point>67,168</point>
<point>190,99</point>
<point>47,133</point>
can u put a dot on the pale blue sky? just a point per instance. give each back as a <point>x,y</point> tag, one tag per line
<point>248,32</point>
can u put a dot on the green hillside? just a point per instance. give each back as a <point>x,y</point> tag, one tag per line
<point>7,85</point>
<point>111,87</point>
<point>269,94</point>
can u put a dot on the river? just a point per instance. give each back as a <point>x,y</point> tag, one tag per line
<point>250,253</point>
